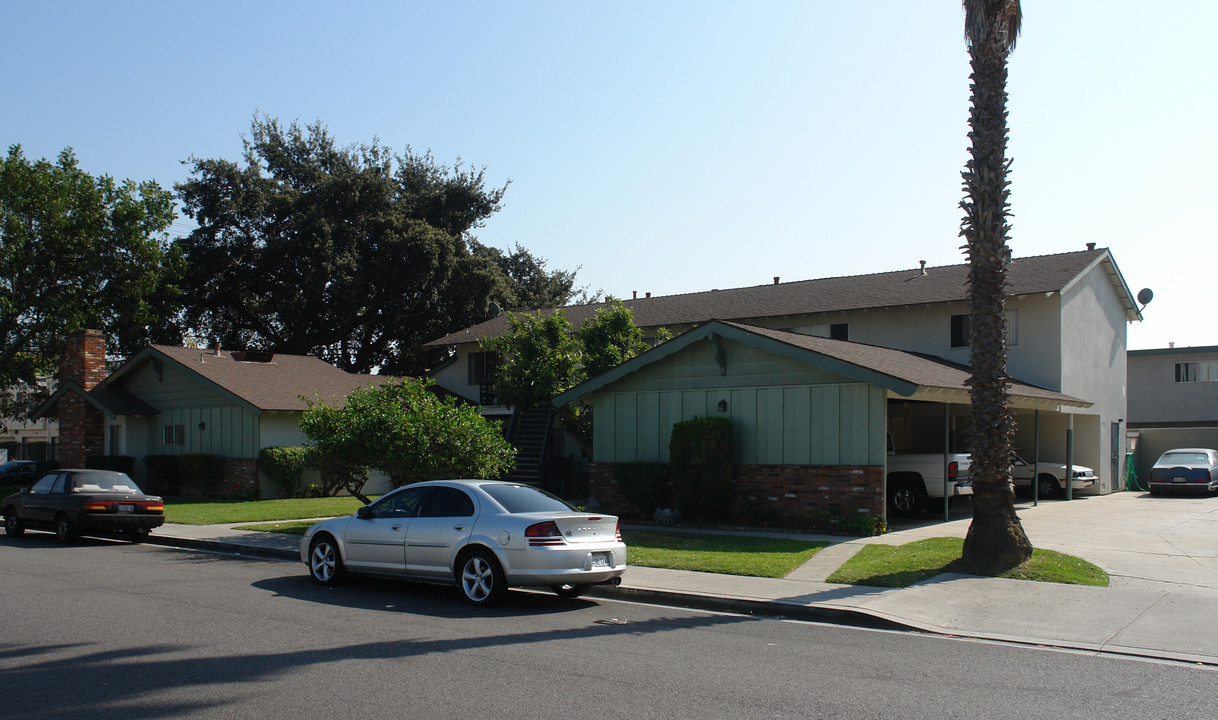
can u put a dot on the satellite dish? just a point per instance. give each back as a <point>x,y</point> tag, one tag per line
<point>495,309</point>
<point>1145,295</point>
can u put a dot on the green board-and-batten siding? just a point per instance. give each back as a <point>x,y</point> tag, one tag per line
<point>229,429</point>
<point>785,412</point>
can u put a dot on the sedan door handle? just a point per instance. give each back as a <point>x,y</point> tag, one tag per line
<point>458,527</point>
<point>395,527</point>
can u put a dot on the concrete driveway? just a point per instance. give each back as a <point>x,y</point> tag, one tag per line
<point>1166,543</point>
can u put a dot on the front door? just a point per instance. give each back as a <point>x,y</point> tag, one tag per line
<point>377,543</point>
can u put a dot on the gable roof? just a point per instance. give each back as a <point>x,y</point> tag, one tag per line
<point>108,400</point>
<point>1025,276</point>
<point>905,374</point>
<point>274,385</point>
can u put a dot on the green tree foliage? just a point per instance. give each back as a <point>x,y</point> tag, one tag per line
<point>406,430</point>
<point>79,252</point>
<point>526,284</point>
<point>542,355</point>
<point>996,540</point>
<point>702,458</point>
<point>353,254</point>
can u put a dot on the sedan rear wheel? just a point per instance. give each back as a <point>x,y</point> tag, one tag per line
<point>64,529</point>
<point>12,526</point>
<point>481,579</point>
<point>569,591</point>
<point>325,562</point>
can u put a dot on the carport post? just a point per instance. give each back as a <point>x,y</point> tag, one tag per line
<point>1070,459</point>
<point>947,512</point>
<point>1036,459</point>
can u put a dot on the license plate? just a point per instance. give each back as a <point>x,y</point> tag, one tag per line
<point>600,560</point>
<point>1179,479</point>
<point>126,508</point>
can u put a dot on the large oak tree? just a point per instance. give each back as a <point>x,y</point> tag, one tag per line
<point>79,252</point>
<point>354,254</point>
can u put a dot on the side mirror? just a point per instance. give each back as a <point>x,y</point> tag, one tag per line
<point>364,513</point>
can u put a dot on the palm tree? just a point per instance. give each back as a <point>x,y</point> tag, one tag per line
<point>996,540</point>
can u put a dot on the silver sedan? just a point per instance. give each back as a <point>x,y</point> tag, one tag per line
<point>480,535</point>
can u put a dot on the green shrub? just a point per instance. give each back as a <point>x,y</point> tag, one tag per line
<point>284,465</point>
<point>645,485</point>
<point>201,474</point>
<point>702,455</point>
<point>117,463</point>
<point>163,476</point>
<point>861,525</point>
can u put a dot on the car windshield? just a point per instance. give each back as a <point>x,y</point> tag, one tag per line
<point>525,499</point>
<point>1184,458</point>
<point>104,482</point>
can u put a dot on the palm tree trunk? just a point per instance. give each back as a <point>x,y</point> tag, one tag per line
<point>996,540</point>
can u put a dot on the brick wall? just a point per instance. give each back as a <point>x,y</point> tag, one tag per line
<point>804,497</point>
<point>240,477</point>
<point>81,426</point>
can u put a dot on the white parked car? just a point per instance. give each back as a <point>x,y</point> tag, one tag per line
<point>480,535</point>
<point>1051,478</point>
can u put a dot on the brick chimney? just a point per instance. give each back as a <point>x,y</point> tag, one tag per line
<point>81,426</point>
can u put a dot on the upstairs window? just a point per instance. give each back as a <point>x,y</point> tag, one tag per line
<point>834,331</point>
<point>482,367</point>
<point>961,334</point>
<point>1196,372</point>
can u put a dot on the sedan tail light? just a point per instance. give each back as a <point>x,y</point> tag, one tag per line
<point>97,506</point>
<point>617,531</point>
<point>544,533</point>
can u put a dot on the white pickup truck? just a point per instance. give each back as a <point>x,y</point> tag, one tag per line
<point>916,478</point>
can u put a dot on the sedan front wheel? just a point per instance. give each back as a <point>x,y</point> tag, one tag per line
<point>325,562</point>
<point>13,526</point>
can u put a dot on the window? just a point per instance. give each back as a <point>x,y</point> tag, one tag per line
<point>447,502</point>
<point>961,332</point>
<point>1197,372</point>
<point>482,366</point>
<point>834,331</point>
<point>175,434</point>
<point>400,504</point>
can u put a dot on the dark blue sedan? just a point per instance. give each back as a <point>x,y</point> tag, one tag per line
<point>1185,469</point>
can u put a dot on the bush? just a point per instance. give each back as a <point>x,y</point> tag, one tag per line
<point>117,463</point>
<point>163,476</point>
<point>201,474</point>
<point>284,465</point>
<point>861,525</point>
<point>702,453</point>
<point>645,485</point>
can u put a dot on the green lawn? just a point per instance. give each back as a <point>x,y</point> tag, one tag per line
<point>899,566</point>
<point>197,512</point>
<point>758,556</point>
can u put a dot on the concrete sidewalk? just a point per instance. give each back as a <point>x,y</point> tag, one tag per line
<point>1161,555</point>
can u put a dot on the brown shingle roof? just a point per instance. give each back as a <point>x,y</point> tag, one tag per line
<point>1025,276</point>
<point>274,385</point>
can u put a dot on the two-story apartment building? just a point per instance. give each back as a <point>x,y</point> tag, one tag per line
<point>1173,401</point>
<point>1067,318</point>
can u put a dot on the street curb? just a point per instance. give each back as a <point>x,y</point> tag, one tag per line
<point>220,546</point>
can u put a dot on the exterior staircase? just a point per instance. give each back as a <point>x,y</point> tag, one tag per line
<point>529,433</point>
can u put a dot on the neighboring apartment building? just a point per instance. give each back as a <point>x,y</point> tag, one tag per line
<point>1067,316</point>
<point>25,439</point>
<point>1173,401</point>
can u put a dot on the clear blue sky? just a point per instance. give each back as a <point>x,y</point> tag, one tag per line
<point>671,147</point>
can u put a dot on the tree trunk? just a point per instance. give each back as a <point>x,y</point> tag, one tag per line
<point>996,540</point>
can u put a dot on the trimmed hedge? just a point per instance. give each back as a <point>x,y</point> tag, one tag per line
<point>163,476</point>
<point>201,474</point>
<point>702,456</point>
<point>284,465</point>
<point>645,485</point>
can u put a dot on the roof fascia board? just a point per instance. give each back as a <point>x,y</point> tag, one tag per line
<point>1118,282</point>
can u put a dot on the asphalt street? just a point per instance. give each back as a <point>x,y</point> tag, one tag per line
<point>111,630</point>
